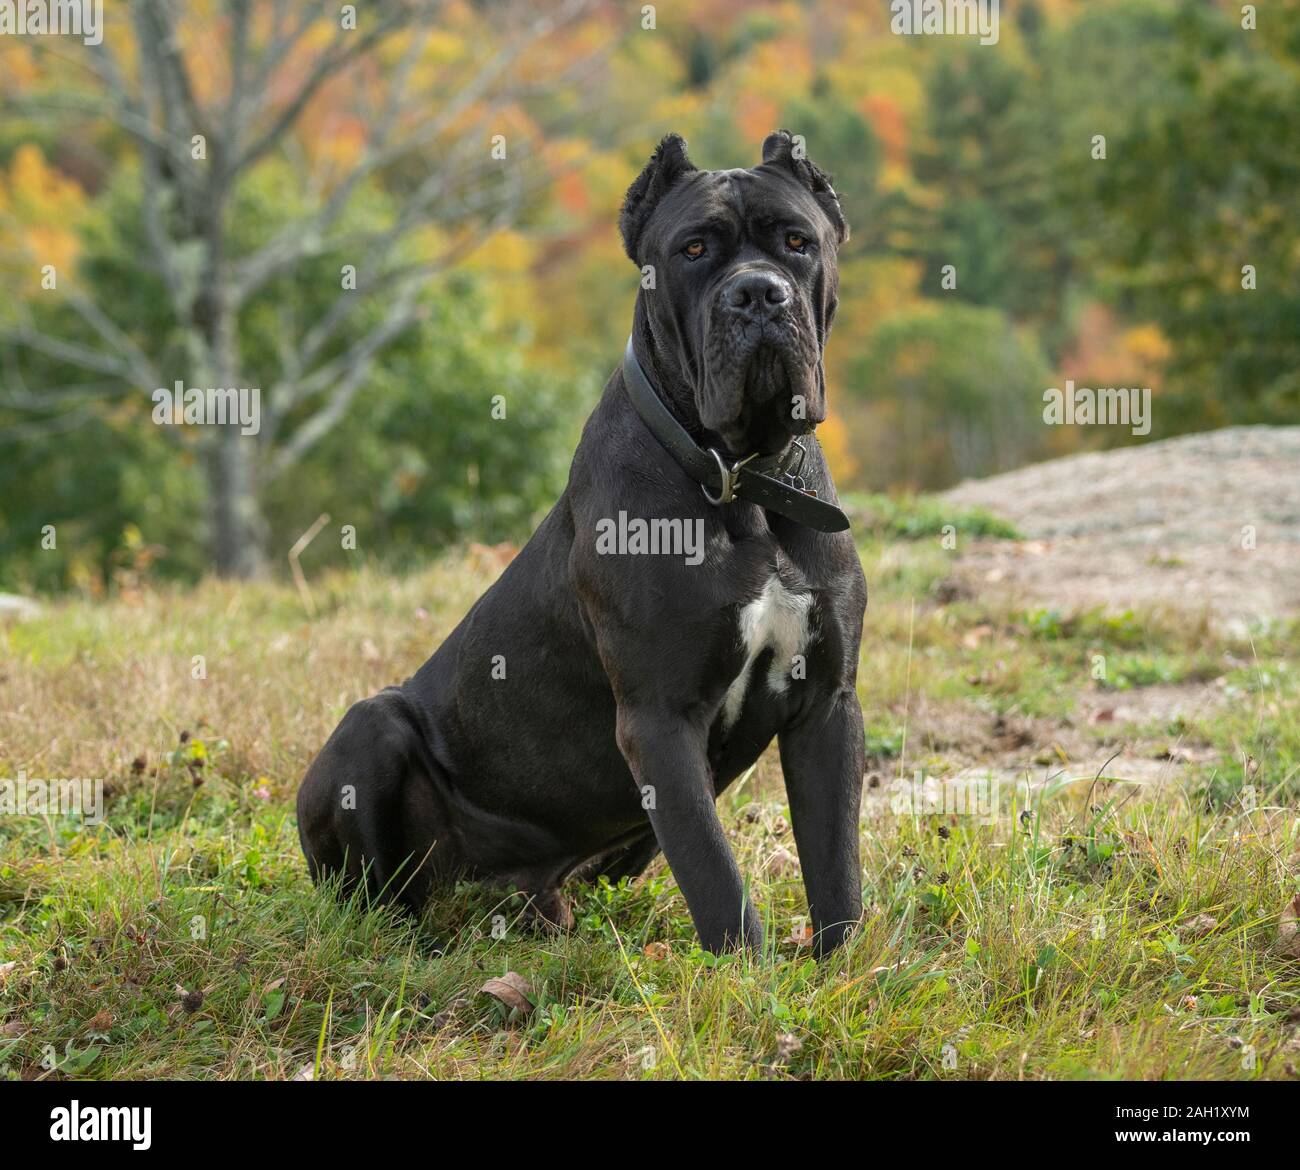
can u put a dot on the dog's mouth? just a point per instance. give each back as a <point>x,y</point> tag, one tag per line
<point>762,387</point>
<point>766,373</point>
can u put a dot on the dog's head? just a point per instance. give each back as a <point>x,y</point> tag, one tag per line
<point>743,288</point>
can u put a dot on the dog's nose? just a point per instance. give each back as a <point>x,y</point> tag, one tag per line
<point>757,294</point>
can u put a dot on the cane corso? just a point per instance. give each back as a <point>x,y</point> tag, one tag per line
<point>692,594</point>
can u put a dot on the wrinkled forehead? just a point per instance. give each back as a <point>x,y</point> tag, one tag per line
<point>737,198</point>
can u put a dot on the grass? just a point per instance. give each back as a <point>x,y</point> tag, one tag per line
<point>1105,922</point>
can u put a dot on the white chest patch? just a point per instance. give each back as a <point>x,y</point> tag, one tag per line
<point>778,619</point>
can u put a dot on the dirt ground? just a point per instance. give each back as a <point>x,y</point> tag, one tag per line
<point>1207,522</point>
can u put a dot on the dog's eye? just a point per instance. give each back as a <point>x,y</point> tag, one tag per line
<point>795,242</point>
<point>694,250</point>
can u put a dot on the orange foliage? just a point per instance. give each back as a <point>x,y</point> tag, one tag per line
<point>833,436</point>
<point>571,191</point>
<point>891,128</point>
<point>1107,353</point>
<point>756,117</point>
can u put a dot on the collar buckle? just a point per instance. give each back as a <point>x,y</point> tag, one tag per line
<point>729,476</point>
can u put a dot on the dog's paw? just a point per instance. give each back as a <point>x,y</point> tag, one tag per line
<point>549,911</point>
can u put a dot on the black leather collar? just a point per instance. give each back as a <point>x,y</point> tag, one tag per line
<point>749,479</point>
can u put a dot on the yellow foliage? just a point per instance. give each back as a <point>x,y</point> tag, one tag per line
<point>427,243</point>
<point>444,48</point>
<point>607,179</point>
<point>833,436</point>
<point>36,191</point>
<point>44,207</point>
<point>503,262</point>
<point>678,112</point>
<point>871,288</point>
<point>47,245</point>
<point>506,253</point>
<point>17,64</point>
<point>1148,344</point>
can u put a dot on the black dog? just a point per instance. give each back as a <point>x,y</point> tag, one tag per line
<point>593,703</point>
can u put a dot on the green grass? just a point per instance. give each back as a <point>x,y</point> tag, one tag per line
<point>1093,927</point>
<point>909,517</point>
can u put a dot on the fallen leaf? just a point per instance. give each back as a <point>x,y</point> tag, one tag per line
<point>100,1022</point>
<point>658,950</point>
<point>781,862</point>
<point>1199,925</point>
<point>512,989</point>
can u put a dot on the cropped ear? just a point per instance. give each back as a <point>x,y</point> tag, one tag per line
<point>781,149</point>
<point>668,164</point>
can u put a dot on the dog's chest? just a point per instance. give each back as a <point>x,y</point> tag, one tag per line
<point>779,620</point>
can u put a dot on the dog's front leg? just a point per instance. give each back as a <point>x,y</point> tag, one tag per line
<point>822,761</point>
<point>666,754</point>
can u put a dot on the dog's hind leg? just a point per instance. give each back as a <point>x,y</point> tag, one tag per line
<point>368,809</point>
<point>630,861</point>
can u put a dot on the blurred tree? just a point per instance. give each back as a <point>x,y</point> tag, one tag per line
<point>986,155</point>
<point>369,147</point>
<point>423,456</point>
<point>206,115</point>
<point>1193,216</point>
<point>946,393</point>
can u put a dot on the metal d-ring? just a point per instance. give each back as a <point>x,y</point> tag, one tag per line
<point>729,476</point>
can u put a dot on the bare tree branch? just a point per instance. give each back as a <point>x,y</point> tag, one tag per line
<point>353,370</point>
<point>304,240</point>
<point>66,351</point>
<point>337,58</point>
<point>430,140</point>
<point>174,68</point>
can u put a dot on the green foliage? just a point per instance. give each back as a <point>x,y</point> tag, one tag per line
<point>912,517</point>
<point>975,158</point>
<point>423,453</point>
<point>418,462</point>
<point>952,391</point>
<point>1199,181</point>
<point>996,219</point>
